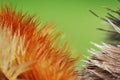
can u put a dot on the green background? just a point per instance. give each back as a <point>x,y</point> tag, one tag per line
<point>72,17</point>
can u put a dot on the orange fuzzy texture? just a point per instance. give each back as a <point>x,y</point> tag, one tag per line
<point>36,54</point>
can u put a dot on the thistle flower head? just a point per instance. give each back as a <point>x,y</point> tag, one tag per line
<point>105,63</point>
<point>29,54</point>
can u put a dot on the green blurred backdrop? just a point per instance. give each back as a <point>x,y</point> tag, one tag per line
<point>72,18</point>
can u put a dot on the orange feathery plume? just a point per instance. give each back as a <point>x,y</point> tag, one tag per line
<point>28,54</point>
